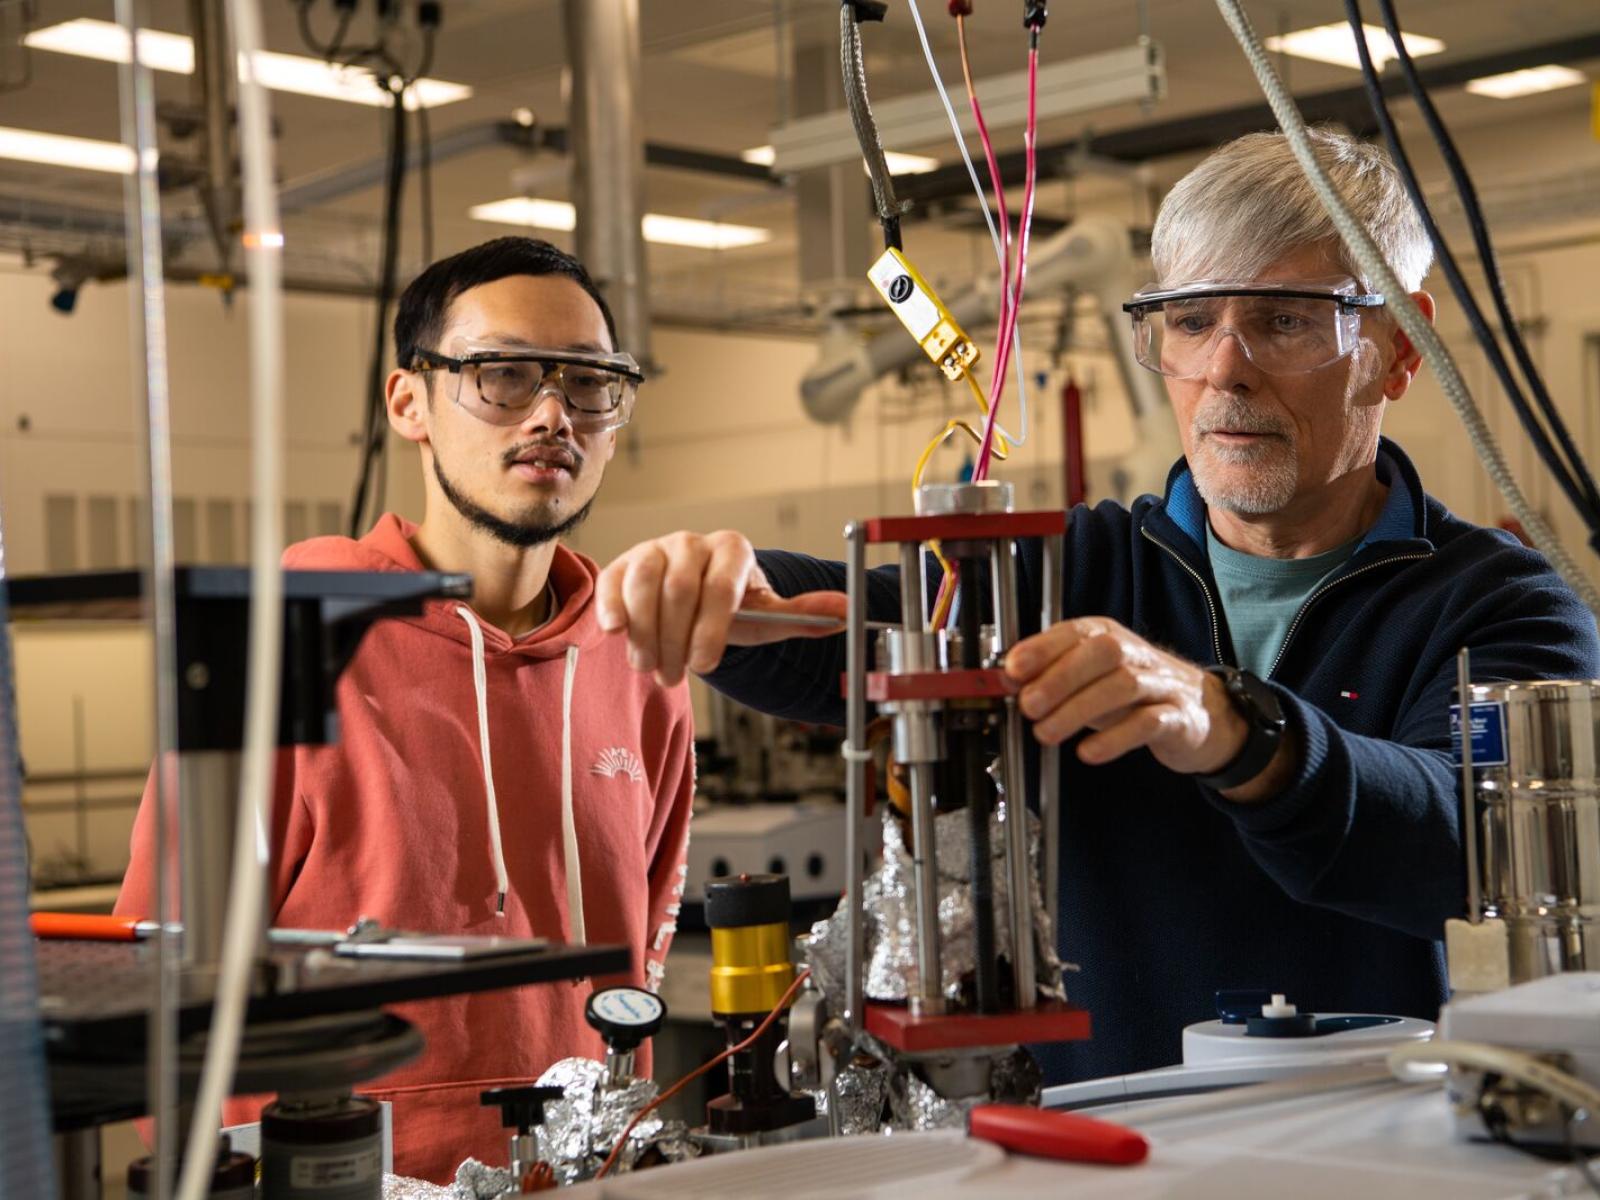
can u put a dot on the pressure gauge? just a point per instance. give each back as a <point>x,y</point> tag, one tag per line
<point>625,1016</point>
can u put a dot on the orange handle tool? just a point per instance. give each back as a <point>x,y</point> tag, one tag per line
<point>89,927</point>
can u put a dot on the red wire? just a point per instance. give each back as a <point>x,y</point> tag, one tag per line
<point>701,1070</point>
<point>1009,325</point>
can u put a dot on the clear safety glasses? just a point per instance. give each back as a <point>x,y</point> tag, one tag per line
<point>1284,329</point>
<point>500,385</point>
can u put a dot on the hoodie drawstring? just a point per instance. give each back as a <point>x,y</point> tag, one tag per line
<point>569,829</point>
<point>480,688</point>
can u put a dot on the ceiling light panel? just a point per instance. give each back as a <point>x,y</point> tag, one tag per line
<point>1526,83</point>
<point>27,145</point>
<point>658,228</point>
<point>1335,44</point>
<point>296,73</point>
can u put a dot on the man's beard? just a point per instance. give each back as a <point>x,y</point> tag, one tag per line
<point>524,534</point>
<point>1274,469</point>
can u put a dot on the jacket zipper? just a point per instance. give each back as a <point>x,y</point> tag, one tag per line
<point>1205,590</point>
<point>1333,583</point>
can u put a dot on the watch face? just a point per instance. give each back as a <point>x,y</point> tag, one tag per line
<point>627,1006</point>
<point>1262,698</point>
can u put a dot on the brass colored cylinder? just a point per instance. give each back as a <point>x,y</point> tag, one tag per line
<point>750,968</point>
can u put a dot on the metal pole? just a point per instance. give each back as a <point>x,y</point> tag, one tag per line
<point>148,328</point>
<point>1019,877</point>
<point>924,837</point>
<point>209,89</point>
<point>1469,808</point>
<point>208,781</point>
<point>1052,563</point>
<point>77,1154</point>
<point>855,768</point>
<point>977,785</point>
<point>607,141</point>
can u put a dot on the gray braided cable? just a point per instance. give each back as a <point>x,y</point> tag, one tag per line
<point>854,69</point>
<point>1416,326</point>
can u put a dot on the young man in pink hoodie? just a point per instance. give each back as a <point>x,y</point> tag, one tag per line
<point>500,770</point>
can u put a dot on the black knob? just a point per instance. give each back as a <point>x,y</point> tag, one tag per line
<point>737,901</point>
<point>521,1108</point>
<point>625,1016</point>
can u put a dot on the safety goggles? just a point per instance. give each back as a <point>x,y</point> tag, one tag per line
<point>500,384</point>
<point>1284,329</point>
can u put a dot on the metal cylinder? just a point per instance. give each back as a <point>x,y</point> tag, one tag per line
<point>323,1148</point>
<point>607,138</point>
<point>1536,771</point>
<point>982,496</point>
<point>1003,566</point>
<point>749,920</point>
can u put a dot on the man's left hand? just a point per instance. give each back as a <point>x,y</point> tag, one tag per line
<point>1092,673</point>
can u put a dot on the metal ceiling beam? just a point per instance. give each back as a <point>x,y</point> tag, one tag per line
<point>1203,131</point>
<point>343,181</point>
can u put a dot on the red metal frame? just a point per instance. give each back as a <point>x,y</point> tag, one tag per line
<point>965,526</point>
<point>982,683</point>
<point>1052,1021</point>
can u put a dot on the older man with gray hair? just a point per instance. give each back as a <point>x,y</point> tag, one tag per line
<point>1256,677</point>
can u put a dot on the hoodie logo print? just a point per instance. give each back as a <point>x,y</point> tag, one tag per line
<point>615,761</point>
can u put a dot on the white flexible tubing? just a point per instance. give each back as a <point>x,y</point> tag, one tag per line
<point>1142,1114</point>
<point>247,885</point>
<point>1417,327</point>
<point>988,219</point>
<point>1513,1064</point>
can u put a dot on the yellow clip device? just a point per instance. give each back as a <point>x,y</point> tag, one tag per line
<point>922,313</point>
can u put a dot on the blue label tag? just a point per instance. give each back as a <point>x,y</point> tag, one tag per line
<point>1488,734</point>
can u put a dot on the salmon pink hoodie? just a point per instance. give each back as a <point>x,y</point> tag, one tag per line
<point>530,788</point>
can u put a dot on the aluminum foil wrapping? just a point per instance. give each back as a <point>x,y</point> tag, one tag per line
<point>860,1090</point>
<point>580,1130</point>
<point>890,935</point>
<point>402,1187</point>
<point>474,1181</point>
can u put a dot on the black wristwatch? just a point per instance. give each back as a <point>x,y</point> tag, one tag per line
<point>1258,705</point>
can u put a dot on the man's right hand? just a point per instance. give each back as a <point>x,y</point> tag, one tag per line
<point>675,598</point>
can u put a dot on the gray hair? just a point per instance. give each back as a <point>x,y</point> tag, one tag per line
<point>1248,204</point>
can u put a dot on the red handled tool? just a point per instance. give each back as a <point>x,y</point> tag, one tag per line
<point>1062,1135</point>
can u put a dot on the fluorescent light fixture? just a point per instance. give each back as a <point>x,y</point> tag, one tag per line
<point>174,52</point>
<point>1526,83</point>
<point>668,231</point>
<point>25,145</point>
<point>1335,44</point>
<point>1076,85</point>
<point>899,164</point>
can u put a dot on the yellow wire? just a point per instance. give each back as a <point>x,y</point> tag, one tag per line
<point>1000,448</point>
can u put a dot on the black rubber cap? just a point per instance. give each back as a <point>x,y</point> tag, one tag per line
<point>737,901</point>
<point>521,1108</point>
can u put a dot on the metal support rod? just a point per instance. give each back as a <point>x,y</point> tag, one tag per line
<point>148,332</point>
<point>924,838</point>
<point>1019,876</point>
<point>1469,807</point>
<point>1051,563</point>
<point>208,782</point>
<point>209,88</point>
<point>606,133</point>
<point>977,788</point>
<point>855,767</point>
<point>78,1164</point>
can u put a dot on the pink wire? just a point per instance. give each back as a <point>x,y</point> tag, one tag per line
<point>994,182</point>
<point>1002,357</point>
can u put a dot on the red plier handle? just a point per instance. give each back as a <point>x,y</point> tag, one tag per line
<point>1062,1135</point>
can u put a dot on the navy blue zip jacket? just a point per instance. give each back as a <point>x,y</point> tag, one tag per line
<point>1336,890</point>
